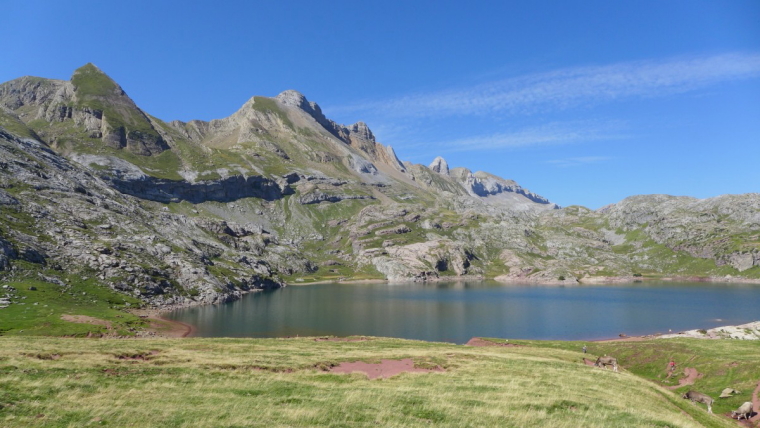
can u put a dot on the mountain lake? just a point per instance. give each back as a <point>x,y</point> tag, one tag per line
<point>457,311</point>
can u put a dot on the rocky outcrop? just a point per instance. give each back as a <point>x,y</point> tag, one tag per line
<point>440,166</point>
<point>698,227</point>
<point>424,261</point>
<point>317,196</point>
<point>483,184</point>
<point>357,135</point>
<point>742,261</point>
<point>58,216</point>
<point>224,190</point>
<point>749,331</point>
<point>131,180</point>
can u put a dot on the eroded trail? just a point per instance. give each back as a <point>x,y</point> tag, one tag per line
<point>691,376</point>
<point>756,404</point>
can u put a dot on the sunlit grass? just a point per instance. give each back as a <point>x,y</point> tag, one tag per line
<point>275,382</point>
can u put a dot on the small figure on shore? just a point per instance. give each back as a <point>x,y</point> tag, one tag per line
<point>671,366</point>
<point>584,349</point>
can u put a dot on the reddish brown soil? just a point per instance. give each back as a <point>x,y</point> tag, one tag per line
<point>755,405</point>
<point>476,341</point>
<point>385,369</point>
<point>691,376</point>
<point>588,362</point>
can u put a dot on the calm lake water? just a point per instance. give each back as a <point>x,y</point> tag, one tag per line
<point>456,312</point>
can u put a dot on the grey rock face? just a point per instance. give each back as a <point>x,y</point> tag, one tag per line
<point>483,184</point>
<point>440,166</point>
<point>361,165</point>
<point>317,196</point>
<point>91,229</point>
<point>357,135</point>
<point>224,190</point>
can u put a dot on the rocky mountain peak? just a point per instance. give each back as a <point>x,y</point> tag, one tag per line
<point>91,82</point>
<point>357,135</point>
<point>362,131</point>
<point>440,166</point>
<point>107,112</point>
<point>93,102</point>
<point>293,98</point>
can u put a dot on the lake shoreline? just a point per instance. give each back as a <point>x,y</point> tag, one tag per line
<point>601,280</point>
<point>183,329</point>
<point>521,280</point>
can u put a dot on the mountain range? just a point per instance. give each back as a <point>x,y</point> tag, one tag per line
<point>179,213</point>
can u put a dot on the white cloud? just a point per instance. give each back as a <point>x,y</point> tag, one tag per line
<point>568,87</point>
<point>556,133</point>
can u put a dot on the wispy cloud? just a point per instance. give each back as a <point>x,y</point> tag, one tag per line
<point>556,133</point>
<point>578,161</point>
<point>568,87</point>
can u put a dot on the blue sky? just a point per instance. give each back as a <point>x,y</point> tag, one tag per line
<point>582,102</point>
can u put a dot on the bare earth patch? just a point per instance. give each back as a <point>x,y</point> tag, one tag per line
<point>476,341</point>
<point>385,369</point>
<point>691,376</point>
<point>84,319</point>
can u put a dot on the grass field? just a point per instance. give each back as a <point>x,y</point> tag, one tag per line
<point>40,307</point>
<point>283,382</point>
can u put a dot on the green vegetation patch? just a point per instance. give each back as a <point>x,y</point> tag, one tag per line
<point>15,126</point>
<point>97,91</point>
<point>269,105</point>
<point>78,308</point>
<point>720,363</point>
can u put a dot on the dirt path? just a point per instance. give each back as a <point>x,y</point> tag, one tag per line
<point>691,376</point>
<point>85,319</point>
<point>385,369</point>
<point>756,404</point>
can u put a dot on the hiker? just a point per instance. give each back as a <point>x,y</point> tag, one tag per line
<point>584,349</point>
<point>671,366</point>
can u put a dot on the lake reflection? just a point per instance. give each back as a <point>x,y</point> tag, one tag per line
<point>456,312</point>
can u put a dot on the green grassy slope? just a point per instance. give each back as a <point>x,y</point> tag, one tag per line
<point>95,90</point>
<point>282,382</point>
<point>721,363</point>
<point>39,306</point>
